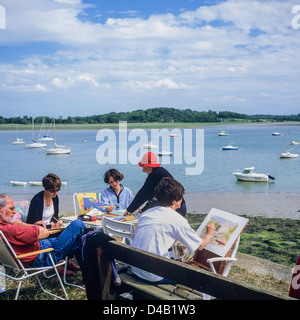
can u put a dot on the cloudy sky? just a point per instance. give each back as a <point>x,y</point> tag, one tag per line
<point>86,57</point>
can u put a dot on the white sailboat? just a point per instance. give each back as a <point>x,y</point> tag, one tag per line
<point>57,150</point>
<point>35,143</point>
<point>287,154</point>
<point>222,133</point>
<point>46,136</point>
<point>229,145</point>
<point>18,141</point>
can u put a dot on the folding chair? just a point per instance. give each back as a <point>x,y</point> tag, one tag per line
<point>10,260</point>
<point>124,230</point>
<point>85,201</point>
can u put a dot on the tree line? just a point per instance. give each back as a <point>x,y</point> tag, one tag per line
<point>155,115</point>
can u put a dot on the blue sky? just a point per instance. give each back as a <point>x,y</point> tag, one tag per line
<point>86,57</point>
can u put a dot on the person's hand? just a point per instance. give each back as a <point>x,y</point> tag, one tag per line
<point>210,228</point>
<point>126,213</point>
<point>57,225</point>
<point>40,223</point>
<point>109,208</point>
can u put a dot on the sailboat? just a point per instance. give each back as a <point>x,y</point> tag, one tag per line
<point>57,150</point>
<point>229,146</point>
<point>287,154</point>
<point>35,143</point>
<point>222,132</point>
<point>18,141</point>
<point>46,135</point>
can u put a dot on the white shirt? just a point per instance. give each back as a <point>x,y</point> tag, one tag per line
<point>48,213</point>
<point>158,228</point>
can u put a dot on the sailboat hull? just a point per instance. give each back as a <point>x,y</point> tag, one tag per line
<point>57,151</point>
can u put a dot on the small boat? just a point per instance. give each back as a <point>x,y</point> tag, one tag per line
<point>223,133</point>
<point>35,183</point>
<point>229,147</point>
<point>64,183</point>
<point>57,150</point>
<point>249,175</point>
<point>36,144</point>
<point>174,135</point>
<point>150,145</point>
<point>46,136</point>
<point>294,142</point>
<point>19,183</point>
<point>288,155</point>
<point>165,153</point>
<point>84,140</point>
<point>18,142</point>
<point>277,134</point>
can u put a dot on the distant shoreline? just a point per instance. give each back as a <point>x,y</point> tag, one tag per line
<point>144,125</point>
<point>268,205</point>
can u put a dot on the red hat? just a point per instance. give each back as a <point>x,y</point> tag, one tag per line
<point>149,160</point>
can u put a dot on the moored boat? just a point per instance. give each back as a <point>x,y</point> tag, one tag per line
<point>19,183</point>
<point>248,175</point>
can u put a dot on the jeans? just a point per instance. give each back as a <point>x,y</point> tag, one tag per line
<point>68,243</point>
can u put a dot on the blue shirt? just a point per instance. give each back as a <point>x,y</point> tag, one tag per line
<point>121,201</point>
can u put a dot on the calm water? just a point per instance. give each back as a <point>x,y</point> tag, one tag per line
<point>257,147</point>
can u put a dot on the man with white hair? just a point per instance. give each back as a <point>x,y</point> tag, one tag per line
<point>26,238</point>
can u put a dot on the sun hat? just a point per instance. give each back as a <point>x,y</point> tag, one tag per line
<point>149,160</point>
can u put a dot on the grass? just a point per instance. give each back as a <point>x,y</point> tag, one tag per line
<point>273,239</point>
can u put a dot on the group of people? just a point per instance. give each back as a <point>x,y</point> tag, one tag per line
<point>161,223</point>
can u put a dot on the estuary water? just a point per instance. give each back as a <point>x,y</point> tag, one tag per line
<point>197,148</point>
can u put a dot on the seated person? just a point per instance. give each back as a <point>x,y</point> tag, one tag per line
<point>44,205</point>
<point>159,227</point>
<point>116,195</point>
<point>27,238</point>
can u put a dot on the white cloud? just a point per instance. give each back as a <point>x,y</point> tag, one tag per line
<point>225,54</point>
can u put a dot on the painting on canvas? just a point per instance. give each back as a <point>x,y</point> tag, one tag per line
<point>228,228</point>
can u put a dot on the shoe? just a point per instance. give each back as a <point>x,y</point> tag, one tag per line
<point>72,266</point>
<point>61,270</point>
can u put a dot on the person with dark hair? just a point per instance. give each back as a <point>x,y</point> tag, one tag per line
<point>44,205</point>
<point>116,195</point>
<point>159,227</point>
<point>155,173</point>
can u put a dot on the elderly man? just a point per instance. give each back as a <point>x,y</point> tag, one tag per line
<point>26,238</point>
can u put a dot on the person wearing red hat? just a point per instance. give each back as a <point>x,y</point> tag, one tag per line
<point>156,173</point>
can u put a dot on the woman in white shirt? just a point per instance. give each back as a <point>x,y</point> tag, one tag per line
<point>159,227</point>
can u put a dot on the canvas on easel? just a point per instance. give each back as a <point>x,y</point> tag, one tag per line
<point>228,227</point>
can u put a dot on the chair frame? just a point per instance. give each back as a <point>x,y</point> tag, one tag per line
<point>9,259</point>
<point>124,230</point>
<point>229,260</point>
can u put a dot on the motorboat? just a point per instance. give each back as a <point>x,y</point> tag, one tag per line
<point>18,142</point>
<point>19,183</point>
<point>249,175</point>
<point>150,145</point>
<point>165,153</point>
<point>294,142</point>
<point>288,155</point>
<point>223,133</point>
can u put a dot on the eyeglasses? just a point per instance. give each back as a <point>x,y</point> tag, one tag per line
<point>53,191</point>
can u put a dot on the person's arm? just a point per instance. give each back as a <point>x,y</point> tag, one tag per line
<point>35,212</point>
<point>209,233</point>
<point>43,234</point>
